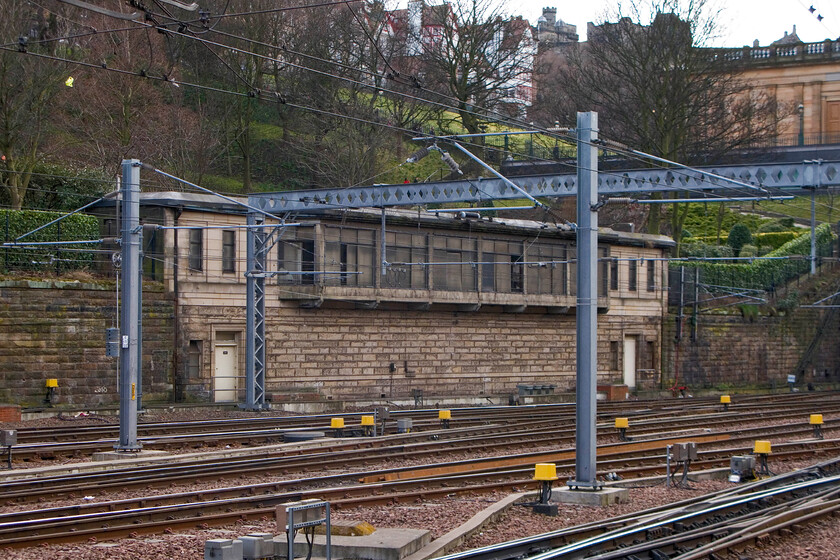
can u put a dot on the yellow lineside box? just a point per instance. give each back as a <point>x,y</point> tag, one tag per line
<point>762,448</point>
<point>545,471</point>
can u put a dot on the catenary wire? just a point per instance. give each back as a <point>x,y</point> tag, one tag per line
<point>330,75</point>
<point>345,116</point>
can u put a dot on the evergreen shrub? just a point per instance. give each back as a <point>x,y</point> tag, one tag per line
<point>77,227</point>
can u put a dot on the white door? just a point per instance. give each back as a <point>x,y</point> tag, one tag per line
<point>224,376</point>
<point>630,361</point>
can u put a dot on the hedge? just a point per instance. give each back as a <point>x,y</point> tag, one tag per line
<point>72,228</point>
<point>776,239</point>
<point>765,274</point>
<point>773,239</point>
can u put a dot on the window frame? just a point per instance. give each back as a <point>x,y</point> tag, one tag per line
<point>195,260</point>
<point>228,251</point>
<point>651,275</point>
<point>296,253</point>
<point>406,247</point>
<point>455,249</point>
<point>502,268</point>
<point>548,271</point>
<point>350,254</point>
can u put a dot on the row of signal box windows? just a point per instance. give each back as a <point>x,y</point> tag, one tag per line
<point>349,257</point>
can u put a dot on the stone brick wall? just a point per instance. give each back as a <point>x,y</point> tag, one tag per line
<point>339,354</point>
<point>55,329</point>
<point>756,350</point>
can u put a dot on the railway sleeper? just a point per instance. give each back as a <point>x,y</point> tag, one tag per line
<point>659,532</point>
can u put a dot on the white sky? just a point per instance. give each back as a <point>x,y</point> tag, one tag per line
<point>743,20</point>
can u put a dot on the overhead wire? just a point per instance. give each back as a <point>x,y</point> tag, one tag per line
<point>372,41</point>
<point>398,93</point>
<point>338,115</point>
<point>279,9</point>
<point>483,115</point>
<point>301,107</point>
<point>416,82</point>
<point>449,107</point>
<point>367,121</point>
<point>256,92</point>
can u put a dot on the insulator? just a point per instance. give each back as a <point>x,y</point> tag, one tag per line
<point>418,155</point>
<point>453,165</point>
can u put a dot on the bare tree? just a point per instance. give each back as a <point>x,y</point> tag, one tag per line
<point>333,65</point>
<point>28,87</point>
<point>479,58</point>
<point>658,88</point>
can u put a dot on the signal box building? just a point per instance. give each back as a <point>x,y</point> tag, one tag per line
<point>464,308</point>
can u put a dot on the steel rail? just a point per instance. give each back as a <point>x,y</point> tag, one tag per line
<point>340,455</point>
<point>665,523</point>
<point>463,415</point>
<point>751,533</point>
<point>147,519</point>
<point>77,448</point>
<point>717,528</point>
<point>519,476</point>
<point>530,545</point>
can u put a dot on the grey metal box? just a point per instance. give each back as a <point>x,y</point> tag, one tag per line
<point>112,342</point>
<point>404,425</point>
<point>8,438</point>
<point>304,511</point>
<point>257,546</point>
<point>685,452</point>
<point>742,464</point>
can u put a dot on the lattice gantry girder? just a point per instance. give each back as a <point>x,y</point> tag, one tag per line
<point>775,177</point>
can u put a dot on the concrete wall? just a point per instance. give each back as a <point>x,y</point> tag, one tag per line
<point>54,329</point>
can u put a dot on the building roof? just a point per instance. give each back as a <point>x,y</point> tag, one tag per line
<point>788,39</point>
<point>469,221</point>
<point>186,201</point>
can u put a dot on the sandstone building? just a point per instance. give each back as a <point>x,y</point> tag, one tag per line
<point>465,308</point>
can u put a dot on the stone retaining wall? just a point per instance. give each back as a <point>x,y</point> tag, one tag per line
<point>756,350</point>
<point>55,329</point>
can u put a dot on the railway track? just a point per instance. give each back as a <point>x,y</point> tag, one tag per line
<point>341,454</point>
<point>201,508</point>
<point>691,530</point>
<point>41,445</point>
<point>467,415</point>
<point>154,514</point>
